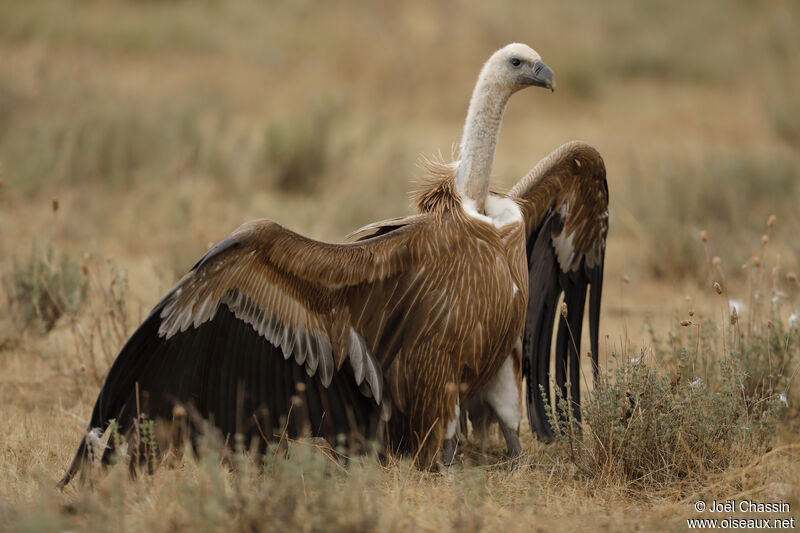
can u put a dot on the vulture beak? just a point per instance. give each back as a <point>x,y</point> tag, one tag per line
<point>542,76</point>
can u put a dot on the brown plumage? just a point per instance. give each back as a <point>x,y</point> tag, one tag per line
<point>349,334</point>
<point>564,206</point>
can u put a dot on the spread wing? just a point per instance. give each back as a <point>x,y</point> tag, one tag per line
<point>564,201</point>
<point>263,311</point>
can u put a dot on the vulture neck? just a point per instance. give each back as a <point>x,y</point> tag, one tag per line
<point>478,143</point>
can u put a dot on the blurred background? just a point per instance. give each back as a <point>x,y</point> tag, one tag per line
<point>135,134</point>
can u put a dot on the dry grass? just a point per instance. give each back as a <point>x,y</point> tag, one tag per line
<point>160,126</point>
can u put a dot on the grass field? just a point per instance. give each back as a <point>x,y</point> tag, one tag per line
<point>135,134</point>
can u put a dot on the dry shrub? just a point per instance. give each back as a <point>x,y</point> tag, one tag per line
<point>646,429</point>
<point>105,325</point>
<point>707,399</point>
<point>301,490</point>
<point>44,288</point>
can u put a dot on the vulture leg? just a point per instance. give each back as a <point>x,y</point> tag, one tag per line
<point>451,439</point>
<point>499,400</point>
<point>511,435</point>
<point>449,452</point>
<point>502,395</point>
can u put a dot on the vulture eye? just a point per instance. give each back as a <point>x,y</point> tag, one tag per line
<point>515,62</point>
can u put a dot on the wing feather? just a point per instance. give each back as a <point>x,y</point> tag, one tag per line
<point>263,310</point>
<point>564,201</point>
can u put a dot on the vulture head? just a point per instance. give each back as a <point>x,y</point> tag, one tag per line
<point>515,67</point>
<point>508,70</point>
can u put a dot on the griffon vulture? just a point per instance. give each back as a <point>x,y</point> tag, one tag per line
<point>387,327</point>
